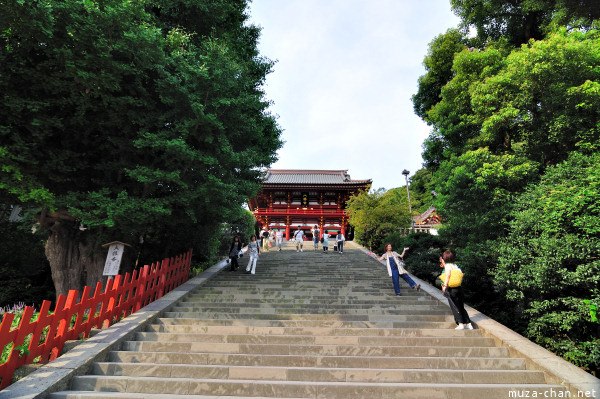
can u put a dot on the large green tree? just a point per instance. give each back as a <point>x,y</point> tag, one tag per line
<point>438,67</point>
<point>452,118</point>
<point>522,99</point>
<point>539,101</point>
<point>519,21</point>
<point>545,100</point>
<point>122,120</point>
<point>475,192</point>
<point>549,263</point>
<point>376,214</point>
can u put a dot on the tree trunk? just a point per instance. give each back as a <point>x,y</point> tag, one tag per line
<point>75,259</point>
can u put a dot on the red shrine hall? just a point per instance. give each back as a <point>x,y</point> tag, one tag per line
<point>300,199</point>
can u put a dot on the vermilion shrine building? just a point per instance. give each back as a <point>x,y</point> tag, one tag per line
<point>292,199</point>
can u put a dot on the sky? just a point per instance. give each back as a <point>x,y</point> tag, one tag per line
<point>342,84</point>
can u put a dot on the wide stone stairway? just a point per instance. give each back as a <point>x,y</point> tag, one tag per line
<point>308,325</point>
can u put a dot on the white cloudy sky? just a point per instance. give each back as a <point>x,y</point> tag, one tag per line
<point>343,81</point>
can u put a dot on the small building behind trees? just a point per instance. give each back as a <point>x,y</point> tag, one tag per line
<point>426,221</point>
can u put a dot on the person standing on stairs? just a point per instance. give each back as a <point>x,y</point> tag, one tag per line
<point>315,232</point>
<point>265,239</point>
<point>279,239</point>
<point>253,254</point>
<point>299,237</point>
<point>234,251</point>
<point>455,295</point>
<point>325,241</point>
<point>340,242</point>
<point>395,268</point>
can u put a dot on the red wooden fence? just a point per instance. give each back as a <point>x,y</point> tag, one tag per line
<point>122,296</point>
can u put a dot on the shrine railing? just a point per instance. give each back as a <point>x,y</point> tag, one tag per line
<point>301,211</point>
<point>42,340</point>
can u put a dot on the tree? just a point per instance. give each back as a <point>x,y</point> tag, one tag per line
<point>421,190</point>
<point>453,120</point>
<point>545,100</point>
<point>523,98</point>
<point>475,191</point>
<point>242,226</point>
<point>539,101</point>
<point>132,119</point>
<point>375,215</point>
<point>438,64</point>
<point>519,21</point>
<point>24,269</point>
<point>549,263</point>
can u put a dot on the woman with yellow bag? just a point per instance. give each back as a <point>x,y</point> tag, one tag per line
<point>451,287</point>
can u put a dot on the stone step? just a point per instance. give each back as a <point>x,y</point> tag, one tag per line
<point>407,309</point>
<point>408,322</point>
<point>301,389</point>
<point>315,340</point>
<point>388,298</point>
<point>259,299</point>
<point>367,362</point>
<point>321,331</point>
<point>439,376</point>
<point>384,295</point>
<point>400,315</point>
<point>315,349</point>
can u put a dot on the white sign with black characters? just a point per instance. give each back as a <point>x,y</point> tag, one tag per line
<point>113,260</point>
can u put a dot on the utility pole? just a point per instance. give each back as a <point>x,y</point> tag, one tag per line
<point>406,173</point>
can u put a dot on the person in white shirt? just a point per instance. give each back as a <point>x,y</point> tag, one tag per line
<point>299,237</point>
<point>325,241</point>
<point>395,268</point>
<point>279,239</point>
<point>340,242</point>
<point>253,254</point>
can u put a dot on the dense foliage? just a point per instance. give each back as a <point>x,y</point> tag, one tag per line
<point>376,214</point>
<point>522,20</point>
<point>549,263</point>
<point>515,118</point>
<point>24,269</point>
<point>122,120</point>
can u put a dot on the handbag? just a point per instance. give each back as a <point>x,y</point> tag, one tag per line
<point>455,278</point>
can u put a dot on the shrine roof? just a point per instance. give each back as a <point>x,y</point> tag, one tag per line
<point>304,176</point>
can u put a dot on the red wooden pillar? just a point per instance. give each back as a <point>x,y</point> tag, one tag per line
<point>287,228</point>
<point>321,229</point>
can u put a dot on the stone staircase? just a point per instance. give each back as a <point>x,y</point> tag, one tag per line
<point>309,325</point>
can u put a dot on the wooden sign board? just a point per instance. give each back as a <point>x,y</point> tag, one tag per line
<point>113,259</point>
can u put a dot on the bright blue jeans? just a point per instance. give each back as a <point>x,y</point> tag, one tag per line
<point>396,280</point>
